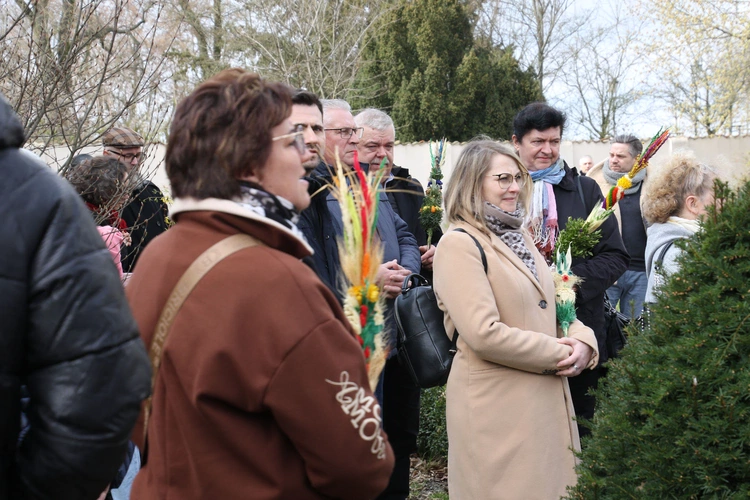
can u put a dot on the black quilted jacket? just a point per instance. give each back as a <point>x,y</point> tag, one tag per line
<point>66,336</point>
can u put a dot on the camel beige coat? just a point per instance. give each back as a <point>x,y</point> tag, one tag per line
<point>511,432</point>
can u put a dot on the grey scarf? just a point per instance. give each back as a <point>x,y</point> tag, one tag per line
<point>612,177</point>
<point>507,227</point>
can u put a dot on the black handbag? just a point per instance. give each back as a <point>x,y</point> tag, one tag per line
<point>424,349</point>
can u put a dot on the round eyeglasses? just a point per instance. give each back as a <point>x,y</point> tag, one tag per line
<point>506,180</point>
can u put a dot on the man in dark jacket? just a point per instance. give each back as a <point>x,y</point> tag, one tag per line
<point>66,337</point>
<point>537,133</point>
<point>146,212</point>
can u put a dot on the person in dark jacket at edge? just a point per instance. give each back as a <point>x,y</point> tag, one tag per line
<point>67,338</point>
<point>405,195</point>
<point>537,134</point>
<point>146,212</point>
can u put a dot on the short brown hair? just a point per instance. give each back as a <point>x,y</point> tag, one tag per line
<point>222,131</point>
<point>463,194</point>
<point>99,179</point>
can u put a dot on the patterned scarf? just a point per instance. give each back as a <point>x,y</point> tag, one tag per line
<point>612,177</point>
<point>507,226</point>
<point>543,224</point>
<point>254,198</point>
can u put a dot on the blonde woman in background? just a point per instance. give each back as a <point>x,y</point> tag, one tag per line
<point>509,412</point>
<point>674,199</point>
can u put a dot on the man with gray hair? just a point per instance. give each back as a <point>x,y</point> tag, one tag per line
<point>342,134</point>
<point>404,192</point>
<point>630,289</point>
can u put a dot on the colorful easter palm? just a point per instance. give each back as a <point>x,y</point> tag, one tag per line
<point>361,255</point>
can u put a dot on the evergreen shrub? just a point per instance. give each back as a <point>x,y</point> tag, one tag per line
<point>672,420</point>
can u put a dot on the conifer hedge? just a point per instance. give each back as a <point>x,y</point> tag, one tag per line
<point>672,420</point>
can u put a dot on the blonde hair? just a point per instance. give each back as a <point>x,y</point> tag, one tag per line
<point>463,194</point>
<point>667,188</point>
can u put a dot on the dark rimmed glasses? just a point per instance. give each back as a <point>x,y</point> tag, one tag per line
<point>128,157</point>
<point>347,132</point>
<point>506,180</point>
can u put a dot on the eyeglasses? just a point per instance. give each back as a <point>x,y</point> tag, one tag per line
<point>127,156</point>
<point>506,180</point>
<point>299,139</point>
<point>346,132</point>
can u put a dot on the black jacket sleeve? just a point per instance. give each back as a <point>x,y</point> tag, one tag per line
<point>86,368</point>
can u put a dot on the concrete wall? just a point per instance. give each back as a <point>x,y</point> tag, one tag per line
<point>731,155</point>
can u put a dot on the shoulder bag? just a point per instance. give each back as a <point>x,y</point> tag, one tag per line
<point>424,348</point>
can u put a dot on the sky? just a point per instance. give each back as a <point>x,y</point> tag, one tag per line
<point>647,116</point>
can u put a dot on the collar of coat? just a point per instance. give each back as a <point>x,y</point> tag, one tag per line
<point>186,205</point>
<point>499,246</point>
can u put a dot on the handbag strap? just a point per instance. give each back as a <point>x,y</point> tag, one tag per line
<point>662,253</point>
<point>197,270</point>
<point>454,340</point>
<point>479,246</point>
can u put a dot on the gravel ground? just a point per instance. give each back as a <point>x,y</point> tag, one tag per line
<point>429,480</point>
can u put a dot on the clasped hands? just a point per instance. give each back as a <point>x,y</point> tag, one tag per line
<point>577,361</point>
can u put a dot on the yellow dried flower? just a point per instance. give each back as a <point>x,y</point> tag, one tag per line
<point>625,182</point>
<point>373,292</point>
<point>356,292</point>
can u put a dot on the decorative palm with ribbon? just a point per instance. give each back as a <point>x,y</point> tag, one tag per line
<point>361,254</point>
<point>581,236</point>
<point>626,181</point>
<point>431,212</point>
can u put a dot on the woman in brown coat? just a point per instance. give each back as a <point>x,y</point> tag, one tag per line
<point>510,418</point>
<point>262,391</point>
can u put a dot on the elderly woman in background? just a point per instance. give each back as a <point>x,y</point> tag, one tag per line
<point>262,390</point>
<point>510,416</point>
<point>674,199</point>
<point>102,183</point>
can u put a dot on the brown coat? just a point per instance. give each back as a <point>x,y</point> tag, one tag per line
<point>510,427</point>
<point>262,391</point>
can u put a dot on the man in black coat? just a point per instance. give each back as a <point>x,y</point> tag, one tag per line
<point>67,339</point>
<point>146,212</point>
<point>537,134</point>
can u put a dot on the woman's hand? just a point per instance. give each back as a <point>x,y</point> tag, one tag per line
<point>575,363</point>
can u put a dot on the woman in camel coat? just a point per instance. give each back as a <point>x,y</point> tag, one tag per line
<point>510,417</point>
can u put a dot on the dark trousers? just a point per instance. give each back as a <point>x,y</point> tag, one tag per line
<point>401,423</point>
<point>583,401</point>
